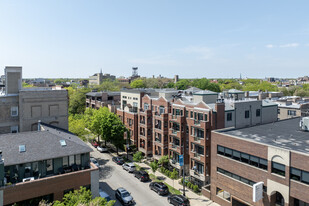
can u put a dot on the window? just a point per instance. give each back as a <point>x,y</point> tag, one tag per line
<point>263,164</point>
<point>161,110</point>
<point>22,148</point>
<point>278,111</point>
<point>305,177</point>
<point>295,174</point>
<point>187,113</point>
<point>291,113</point>
<point>14,111</point>
<point>71,160</point>
<point>65,161</point>
<point>247,114</point>
<point>254,161</point>
<point>220,150</point>
<point>258,112</point>
<point>49,166</point>
<point>229,116</point>
<point>191,114</point>
<point>77,159</point>
<point>299,175</point>
<point>235,176</point>
<point>14,129</point>
<point>63,143</point>
<point>236,155</point>
<point>146,106</point>
<point>278,168</point>
<point>242,157</point>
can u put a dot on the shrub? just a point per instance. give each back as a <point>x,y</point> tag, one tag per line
<point>188,184</point>
<point>196,189</point>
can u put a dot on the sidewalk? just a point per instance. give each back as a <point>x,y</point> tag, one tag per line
<point>195,199</point>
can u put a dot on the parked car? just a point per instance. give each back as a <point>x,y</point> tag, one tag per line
<point>124,196</point>
<point>104,195</point>
<point>159,187</point>
<point>130,167</point>
<point>141,175</point>
<point>102,148</point>
<point>94,143</point>
<point>178,200</point>
<point>94,161</point>
<point>118,160</point>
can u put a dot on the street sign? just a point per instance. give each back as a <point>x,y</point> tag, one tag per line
<point>258,191</point>
<point>180,160</point>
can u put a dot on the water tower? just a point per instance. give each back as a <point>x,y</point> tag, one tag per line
<point>134,71</point>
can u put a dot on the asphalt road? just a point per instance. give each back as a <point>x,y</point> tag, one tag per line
<point>112,176</point>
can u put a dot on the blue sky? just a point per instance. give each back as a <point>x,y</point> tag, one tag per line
<point>213,39</point>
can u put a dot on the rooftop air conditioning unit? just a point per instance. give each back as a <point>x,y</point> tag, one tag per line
<point>304,124</point>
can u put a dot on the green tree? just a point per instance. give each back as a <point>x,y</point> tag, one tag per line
<point>108,85</point>
<point>58,81</point>
<point>154,166</point>
<point>174,175</point>
<point>77,100</point>
<point>163,161</point>
<point>82,197</point>
<point>24,84</point>
<point>183,84</point>
<point>138,156</point>
<point>117,134</point>
<point>138,83</point>
<point>77,126</point>
<point>170,85</point>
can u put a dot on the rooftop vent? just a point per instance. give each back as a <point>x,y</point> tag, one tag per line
<point>22,148</point>
<point>304,124</point>
<point>63,143</point>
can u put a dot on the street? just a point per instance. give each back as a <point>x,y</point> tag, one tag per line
<point>112,176</point>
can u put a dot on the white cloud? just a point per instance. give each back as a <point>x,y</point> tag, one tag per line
<point>202,52</point>
<point>289,45</point>
<point>270,46</point>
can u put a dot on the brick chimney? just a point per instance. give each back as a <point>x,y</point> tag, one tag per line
<point>220,117</point>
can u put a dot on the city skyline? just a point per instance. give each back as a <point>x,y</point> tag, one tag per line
<point>74,39</point>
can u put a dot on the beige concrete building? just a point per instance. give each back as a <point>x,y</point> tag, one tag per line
<point>21,108</point>
<point>98,78</point>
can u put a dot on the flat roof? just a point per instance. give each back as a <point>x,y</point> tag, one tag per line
<point>284,134</point>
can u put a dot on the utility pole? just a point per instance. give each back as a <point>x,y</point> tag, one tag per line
<point>183,169</point>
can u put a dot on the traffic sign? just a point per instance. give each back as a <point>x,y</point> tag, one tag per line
<point>180,160</point>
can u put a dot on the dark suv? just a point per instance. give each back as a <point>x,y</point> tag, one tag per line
<point>178,200</point>
<point>118,160</point>
<point>141,175</point>
<point>159,188</point>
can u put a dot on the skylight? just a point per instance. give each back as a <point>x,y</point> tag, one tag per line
<point>22,148</point>
<point>63,143</point>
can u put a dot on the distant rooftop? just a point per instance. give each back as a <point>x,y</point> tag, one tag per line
<point>205,92</point>
<point>284,134</point>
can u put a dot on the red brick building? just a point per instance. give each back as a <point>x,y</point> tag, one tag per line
<point>276,154</point>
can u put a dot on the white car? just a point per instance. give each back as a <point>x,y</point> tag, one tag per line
<point>101,149</point>
<point>130,167</point>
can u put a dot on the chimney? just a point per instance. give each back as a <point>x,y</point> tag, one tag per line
<point>220,118</point>
<point>13,81</point>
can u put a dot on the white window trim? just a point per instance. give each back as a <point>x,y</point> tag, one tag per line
<point>12,108</point>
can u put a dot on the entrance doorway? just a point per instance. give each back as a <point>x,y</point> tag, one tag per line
<point>279,201</point>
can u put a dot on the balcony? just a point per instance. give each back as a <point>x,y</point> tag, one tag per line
<point>197,174</point>
<point>174,131</point>
<point>197,139</point>
<point>174,163</point>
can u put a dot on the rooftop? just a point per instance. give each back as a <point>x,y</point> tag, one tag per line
<point>284,134</point>
<point>40,145</point>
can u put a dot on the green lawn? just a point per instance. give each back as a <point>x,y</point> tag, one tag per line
<point>173,190</point>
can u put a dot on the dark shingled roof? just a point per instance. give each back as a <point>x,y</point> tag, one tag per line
<point>40,145</point>
<point>284,134</point>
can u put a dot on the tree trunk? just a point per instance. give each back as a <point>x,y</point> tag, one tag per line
<point>117,151</point>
